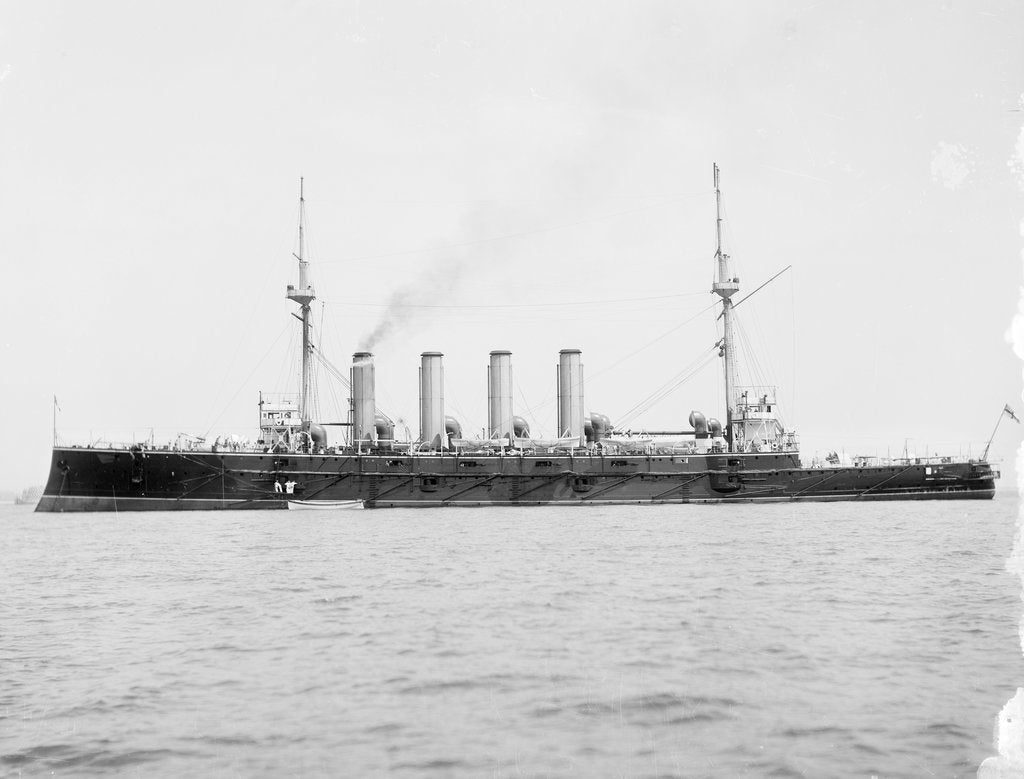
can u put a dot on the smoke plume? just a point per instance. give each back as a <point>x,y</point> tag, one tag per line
<point>433,287</point>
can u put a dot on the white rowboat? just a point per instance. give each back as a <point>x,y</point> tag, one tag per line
<point>329,505</point>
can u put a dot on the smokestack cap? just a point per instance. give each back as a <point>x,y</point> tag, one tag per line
<point>570,351</point>
<point>361,355</point>
<point>432,354</point>
<point>501,351</point>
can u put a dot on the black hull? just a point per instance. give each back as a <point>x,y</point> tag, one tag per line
<point>83,479</point>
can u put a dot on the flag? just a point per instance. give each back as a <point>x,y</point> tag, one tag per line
<point>1008,410</point>
<point>56,405</point>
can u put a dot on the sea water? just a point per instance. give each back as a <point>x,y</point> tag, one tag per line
<point>842,639</point>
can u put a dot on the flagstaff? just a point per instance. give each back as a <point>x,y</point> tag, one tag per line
<point>1007,411</point>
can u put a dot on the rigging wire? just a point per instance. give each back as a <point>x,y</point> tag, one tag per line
<point>315,379</point>
<point>792,312</point>
<point>757,375</point>
<point>492,306</point>
<point>760,376</point>
<point>508,236</point>
<point>551,401</point>
<point>760,287</point>
<point>288,365</point>
<point>668,387</point>
<point>337,402</point>
<point>344,380</point>
<point>560,199</point>
<point>462,416</point>
<point>245,331</point>
<point>337,348</point>
<point>652,342</point>
<point>732,243</point>
<point>332,369</point>
<point>532,411</point>
<point>241,386</point>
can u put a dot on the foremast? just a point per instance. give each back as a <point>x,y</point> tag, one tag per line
<point>726,287</point>
<point>304,295</point>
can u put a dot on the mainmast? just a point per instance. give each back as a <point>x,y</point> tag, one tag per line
<point>726,287</point>
<point>303,295</point>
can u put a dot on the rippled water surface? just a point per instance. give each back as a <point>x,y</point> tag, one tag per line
<point>771,640</point>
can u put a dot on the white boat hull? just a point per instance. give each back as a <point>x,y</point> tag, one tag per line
<point>327,505</point>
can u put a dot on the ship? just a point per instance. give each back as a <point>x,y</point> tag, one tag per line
<point>293,463</point>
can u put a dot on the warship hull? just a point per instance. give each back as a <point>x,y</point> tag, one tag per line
<point>752,457</point>
<point>86,479</point>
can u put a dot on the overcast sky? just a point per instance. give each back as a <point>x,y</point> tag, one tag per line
<point>523,176</point>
